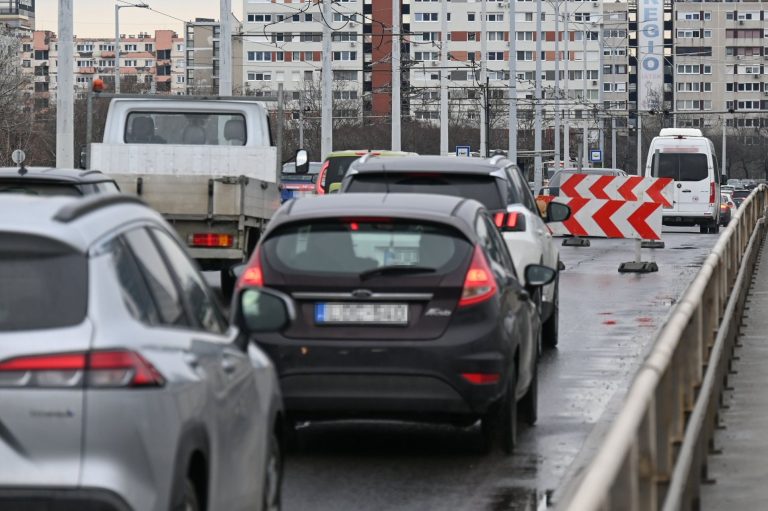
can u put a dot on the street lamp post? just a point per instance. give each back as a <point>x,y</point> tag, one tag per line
<point>117,40</point>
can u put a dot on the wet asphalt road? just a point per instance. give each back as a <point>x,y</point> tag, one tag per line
<point>607,321</point>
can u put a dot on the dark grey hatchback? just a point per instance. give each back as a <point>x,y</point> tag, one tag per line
<point>408,308</point>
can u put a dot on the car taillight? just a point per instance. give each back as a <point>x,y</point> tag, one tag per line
<point>321,177</point>
<point>481,378</point>
<point>479,283</point>
<point>711,192</point>
<point>210,240</point>
<point>514,222</point>
<point>253,274</point>
<point>94,369</point>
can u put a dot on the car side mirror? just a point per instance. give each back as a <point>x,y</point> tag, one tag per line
<point>537,275</point>
<point>334,188</point>
<point>83,157</point>
<point>261,310</point>
<point>302,161</point>
<point>723,178</point>
<point>557,212</point>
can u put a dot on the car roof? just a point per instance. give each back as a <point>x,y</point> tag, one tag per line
<point>446,164</point>
<point>72,220</point>
<point>54,174</point>
<point>363,152</point>
<point>455,211</point>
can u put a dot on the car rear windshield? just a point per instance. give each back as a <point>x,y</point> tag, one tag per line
<point>482,188</point>
<point>337,167</point>
<point>681,166</point>
<point>43,283</point>
<point>195,128</point>
<point>742,193</point>
<point>356,245</point>
<point>40,188</point>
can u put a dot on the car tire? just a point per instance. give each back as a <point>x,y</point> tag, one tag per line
<point>529,405</point>
<point>190,500</point>
<point>550,328</point>
<point>499,425</point>
<point>273,476</point>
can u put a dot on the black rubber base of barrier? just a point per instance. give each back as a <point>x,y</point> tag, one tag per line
<point>576,242</point>
<point>652,244</point>
<point>641,267</point>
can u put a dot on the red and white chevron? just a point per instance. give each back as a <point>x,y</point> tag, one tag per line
<point>610,219</point>
<point>657,190</point>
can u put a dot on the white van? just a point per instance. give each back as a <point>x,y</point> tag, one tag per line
<point>689,158</point>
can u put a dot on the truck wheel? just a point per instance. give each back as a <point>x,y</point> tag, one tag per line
<point>227,284</point>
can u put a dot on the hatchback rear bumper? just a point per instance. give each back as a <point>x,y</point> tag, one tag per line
<point>389,378</point>
<point>59,499</point>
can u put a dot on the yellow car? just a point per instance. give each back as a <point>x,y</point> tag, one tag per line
<point>336,165</point>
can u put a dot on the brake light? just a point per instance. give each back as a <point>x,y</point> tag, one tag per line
<point>479,284</point>
<point>481,378</point>
<point>210,240</point>
<point>509,221</point>
<point>361,153</point>
<point>253,274</point>
<point>711,192</point>
<point>320,185</point>
<point>93,369</point>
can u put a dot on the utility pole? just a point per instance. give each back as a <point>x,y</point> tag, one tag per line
<point>613,142</point>
<point>65,93</point>
<point>639,142</point>
<point>225,48</point>
<point>537,171</point>
<point>326,124</point>
<point>301,118</point>
<point>483,77</point>
<point>723,161</point>
<point>567,122</point>
<point>444,77</point>
<point>600,119</point>
<point>396,138</point>
<point>557,83</point>
<point>117,40</point>
<point>512,149</point>
<point>585,136</point>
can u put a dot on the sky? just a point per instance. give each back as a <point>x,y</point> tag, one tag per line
<point>96,18</point>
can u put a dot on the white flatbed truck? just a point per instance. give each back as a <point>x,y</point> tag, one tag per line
<point>208,165</point>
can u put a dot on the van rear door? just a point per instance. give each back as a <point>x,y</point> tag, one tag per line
<point>693,184</point>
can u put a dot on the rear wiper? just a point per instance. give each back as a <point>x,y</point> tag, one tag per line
<point>396,268</point>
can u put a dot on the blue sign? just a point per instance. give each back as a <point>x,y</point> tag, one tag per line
<point>463,150</point>
<point>595,155</point>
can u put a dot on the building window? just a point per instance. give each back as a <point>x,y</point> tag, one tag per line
<point>260,56</point>
<point>525,55</point>
<point>131,47</point>
<point>259,18</point>
<point>259,77</point>
<point>426,16</point>
<point>339,17</point>
<point>495,55</point>
<point>494,17</point>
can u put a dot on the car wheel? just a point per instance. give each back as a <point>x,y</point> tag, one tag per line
<point>499,425</point>
<point>190,501</point>
<point>529,405</point>
<point>550,326</point>
<point>704,228</point>
<point>273,476</point>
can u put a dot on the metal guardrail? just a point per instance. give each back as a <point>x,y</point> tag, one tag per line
<point>655,454</point>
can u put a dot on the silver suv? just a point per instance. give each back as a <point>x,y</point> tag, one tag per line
<point>122,384</point>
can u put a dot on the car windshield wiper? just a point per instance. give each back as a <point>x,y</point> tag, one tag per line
<point>396,268</point>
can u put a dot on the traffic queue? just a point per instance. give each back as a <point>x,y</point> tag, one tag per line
<point>422,289</point>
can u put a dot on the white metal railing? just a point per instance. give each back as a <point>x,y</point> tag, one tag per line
<point>655,453</point>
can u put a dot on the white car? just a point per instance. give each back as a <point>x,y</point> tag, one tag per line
<point>497,184</point>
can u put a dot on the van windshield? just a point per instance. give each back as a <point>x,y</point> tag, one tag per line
<point>681,166</point>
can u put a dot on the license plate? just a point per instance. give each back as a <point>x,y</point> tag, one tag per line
<point>361,313</point>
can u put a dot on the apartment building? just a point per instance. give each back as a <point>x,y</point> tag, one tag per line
<point>282,43</point>
<point>720,57</point>
<point>148,63</point>
<point>202,56</point>
<point>18,16</point>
